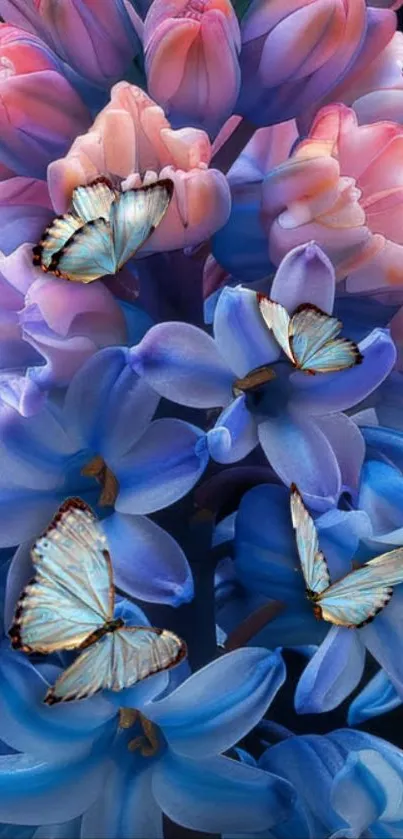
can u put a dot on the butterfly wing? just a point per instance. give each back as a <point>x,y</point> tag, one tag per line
<point>72,592</point>
<point>118,661</point>
<point>88,255</point>
<point>135,215</point>
<point>94,200</point>
<point>313,562</point>
<point>314,343</point>
<point>277,319</point>
<point>54,239</point>
<point>356,599</point>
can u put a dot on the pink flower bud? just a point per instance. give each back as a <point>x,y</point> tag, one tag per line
<point>295,52</point>
<point>132,139</point>
<point>342,188</point>
<point>192,64</point>
<point>97,38</point>
<point>40,113</point>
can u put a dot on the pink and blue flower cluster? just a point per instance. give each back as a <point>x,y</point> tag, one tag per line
<point>280,126</point>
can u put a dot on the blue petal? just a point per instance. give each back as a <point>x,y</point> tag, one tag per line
<point>27,724</point>
<point>162,467</point>
<point>265,557</point>
<point>241,335</point>
<point>378,697</point>
<point>339,391</point>
<point>66,830</point>
<point>305,275</point>
<point>35,450</point>
<point>219,704</point>
<point>300,453</point>
<point>218,795</point>
<point>384,636</point>
<point>234,435</point>
<point>357,794</point>
<point>107,406</point>
<point>381,496</point>
<point>25,513</point>
<point>127,808</point>
<point>296,758</point>
<point>148,564</point>
<point>332,673</point>
<point>35,792</point>
<point>183,364</point>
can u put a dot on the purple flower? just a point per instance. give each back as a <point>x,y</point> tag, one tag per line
<point>103,434</point>
<point>49,328</point>
<point>296,418</point>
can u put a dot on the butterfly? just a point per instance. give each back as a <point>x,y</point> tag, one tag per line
<point>354,600</point>
<point>309,337</point>
<point>69,605</point>
<point>105,228</point>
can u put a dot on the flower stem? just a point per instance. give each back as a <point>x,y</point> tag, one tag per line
<point>228,153</point>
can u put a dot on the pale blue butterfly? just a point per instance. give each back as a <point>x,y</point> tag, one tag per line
<point>70,605</point>
<point>309,337</point>
<point>354,600</point>
<point>105,228</point>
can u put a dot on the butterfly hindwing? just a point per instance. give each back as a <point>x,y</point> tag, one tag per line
<point>357,597</point>
<point>54,239</point>
<point>314,343</point>
<point>118,661</point>
<point>94,200</point>
<point>313,562</point>
<point>277,319</point>
<point>72,593</point>
<point>135,215</point>
<point>88,255</point>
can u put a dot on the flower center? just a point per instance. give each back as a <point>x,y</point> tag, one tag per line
<point>194,9</point>
<point>98,469</point>
<point>267,389</point>
<point>148,742</point>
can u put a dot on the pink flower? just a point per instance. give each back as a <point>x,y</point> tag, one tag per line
<point>132,139</point>
<point>48,329</point>
<point>97,38</point>
<point>343,187</point>
<point>295,52</point>
<point>40,113</point>
<point>191,49</point>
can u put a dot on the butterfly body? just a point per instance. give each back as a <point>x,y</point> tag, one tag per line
<point>105,228</point>
<point>69,605</point>
<point>354,600</point>
<point>309,338</point>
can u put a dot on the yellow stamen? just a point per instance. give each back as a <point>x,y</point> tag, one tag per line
<point>98,469</point>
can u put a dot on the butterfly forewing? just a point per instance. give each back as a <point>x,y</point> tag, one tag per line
<point>314,345</point>
<point>55,238</point>
<point>277,319</point>
<point>88,255</point>
<point>313,562</point>
<point>118,661</point>
<point>135,215</point>
<point>72,593</point>
<point>94,201</point>
<point>357,597</point>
